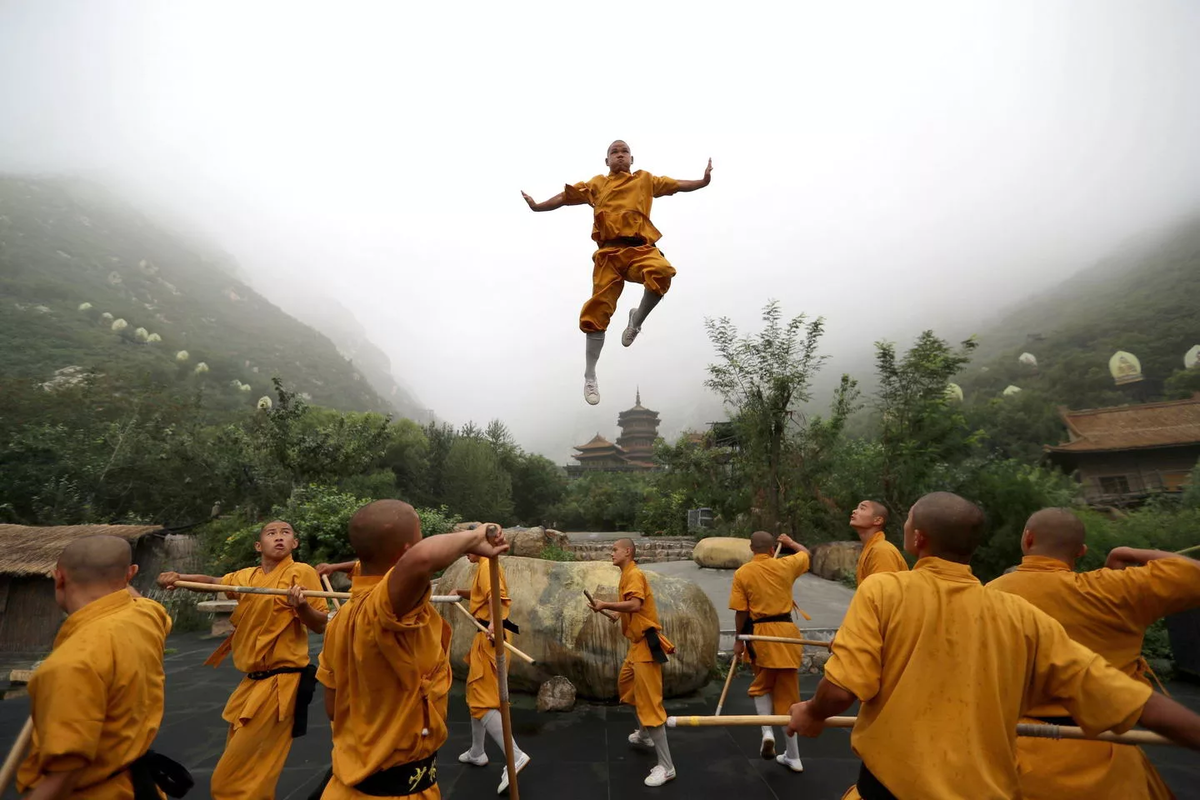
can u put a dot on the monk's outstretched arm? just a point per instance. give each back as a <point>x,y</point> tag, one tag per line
<point>808,718</point>
<point>166,580</point>
<point>408,581</point>
<point>1122,557</point>
<point>329,569</point>
<point>691,186</point>
<point>1174,721</point>
<point>630,606</point>
<point>558,201</point>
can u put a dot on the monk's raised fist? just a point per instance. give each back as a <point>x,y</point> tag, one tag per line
<point>803,722</point>
<point>325,569</point>
<point>166,580</point>
<point>295,596</point>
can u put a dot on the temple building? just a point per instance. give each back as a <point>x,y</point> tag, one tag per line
<point>634,448</point>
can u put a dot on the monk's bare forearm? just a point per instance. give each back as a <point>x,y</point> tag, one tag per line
<point>830,700</point>
<point>558,201</point>
<point>1122,557</point>
<point>622,606</point>
<point>55,785</point>
<point>314,620</point>
<point>199,579</point>
<point>1174,721</point>
<point>409,579</point>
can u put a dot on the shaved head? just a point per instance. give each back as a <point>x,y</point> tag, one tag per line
<point>762,542</point>
<point>1057,533</point>
<point>97,561</point>
<point>880,510</point>
<point>380,532</point>
<point>630,546</point>
<point>953,527</point>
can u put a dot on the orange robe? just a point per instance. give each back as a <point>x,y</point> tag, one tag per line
<point>391,675</point>
<point>97,699</point>
<point>267,634</point>
<point>763,588</point>
<point>483,686</point>
<point>1108,611</point>
<point>944,668</point>
<point>878,555</point>
<point>640,680</point>
<point>621,210</point>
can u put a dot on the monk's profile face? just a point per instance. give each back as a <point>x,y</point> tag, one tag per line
<point>619,158</point>
<point>864,515</point>
<point>276,540</point>
<point>620,554</point>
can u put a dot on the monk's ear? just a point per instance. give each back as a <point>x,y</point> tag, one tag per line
<point>1082,551</point>
<point>60,579</point>
<point>130,572</point>
<point>1026,541</point>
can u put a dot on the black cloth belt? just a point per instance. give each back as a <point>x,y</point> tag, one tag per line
<point>624,241</point>
<point>748,627</point>
<point>656,648</point>
<point>304,692</point>
<point>869,786</point>
<point>508,626</point>
<point>1057,720</point>
<point>152,771</point>
<point>402,779</point>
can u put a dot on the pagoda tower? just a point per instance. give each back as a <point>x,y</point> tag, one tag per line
<point>639,429</point>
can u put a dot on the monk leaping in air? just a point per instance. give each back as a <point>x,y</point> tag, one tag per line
<point>626,241</point>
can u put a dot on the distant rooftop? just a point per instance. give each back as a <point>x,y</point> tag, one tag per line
<point>1169,424</point>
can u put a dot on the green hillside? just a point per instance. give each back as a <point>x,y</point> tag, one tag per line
<point>1144,299</point>
<point>65,243</point>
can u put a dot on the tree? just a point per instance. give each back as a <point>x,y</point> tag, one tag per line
<point>476,485</point>
<point>763,378</point>
<point>537,485</point>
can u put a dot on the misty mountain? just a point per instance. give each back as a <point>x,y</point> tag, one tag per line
<point>92,284</point>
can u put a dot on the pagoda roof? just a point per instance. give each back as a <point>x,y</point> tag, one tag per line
<point>598,442</point>
<point>1168,424</point>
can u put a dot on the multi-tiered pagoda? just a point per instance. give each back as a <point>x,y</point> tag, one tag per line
<point>634,450</point>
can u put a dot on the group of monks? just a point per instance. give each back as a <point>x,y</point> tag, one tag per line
<point>943,667</point>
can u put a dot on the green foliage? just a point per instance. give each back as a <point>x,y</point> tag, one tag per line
<point>553,552</point>
<point>601,501</point>
<point>1182,384</point>
<point>538,484</point>
<point>437,520</point>
<point>475,483</point>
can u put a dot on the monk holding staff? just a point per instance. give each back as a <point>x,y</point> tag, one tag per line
<point>270,644</point>
<point>1106,610</point>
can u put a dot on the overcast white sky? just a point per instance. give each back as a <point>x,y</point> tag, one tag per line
<point>891,166</point>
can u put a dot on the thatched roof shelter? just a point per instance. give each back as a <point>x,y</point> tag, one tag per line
<point>28,550</point>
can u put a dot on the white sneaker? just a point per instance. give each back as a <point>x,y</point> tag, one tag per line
<point>638,739</point>
<point>794,764</point>
<point>658,776</point>
<point>591,391</point>
<point>767,750</point>
<point>522,760</point>
<point>631,331</point>
<point>480,761</point>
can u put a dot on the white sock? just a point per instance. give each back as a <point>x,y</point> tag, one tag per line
<point>658,735</point>
<point>649,301</point>
<point>476,738</point>
<point>595,343</point>
<point>793,747</point>
<point>764,706</point>
<point>495,729</point>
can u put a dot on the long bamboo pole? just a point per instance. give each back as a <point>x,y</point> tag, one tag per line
<point>507,645</point>
<point>1023,729</point>
<point>216,588</point>
<point>15,755</point>
<point>337,604</point>
<point>1188,550</point>
<point>728,680</point>
<point>502,678</point>
<point>749,637</point>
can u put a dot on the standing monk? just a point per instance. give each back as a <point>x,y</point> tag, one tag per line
<point>483,687</point>
<point>625,239</point>
<point>386,663</point>
<point>878,554</point>
<point>1108,611</point>
<point>640,683</point>
<point>944,667</point>
<point>97,699</point>
<point>761,596</point>
<point>270,644</point>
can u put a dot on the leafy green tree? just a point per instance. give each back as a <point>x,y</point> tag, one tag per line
<point>537,485</point>
<point>476,485</point>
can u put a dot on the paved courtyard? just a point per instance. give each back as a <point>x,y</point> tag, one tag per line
<point>580,755</point>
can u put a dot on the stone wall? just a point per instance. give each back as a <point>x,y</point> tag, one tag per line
<point>649,550</point>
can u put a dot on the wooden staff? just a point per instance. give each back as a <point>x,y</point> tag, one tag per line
<point>610,614</point>
<point>507,645</point>
<point>749,637</point>
<point>728,680</point>
<point>1023,729</point>
<point>217,588</point>
<point>502,677</point>
<point>778,547</point>
<point>15,755</point>
<point>337,604</point>
<point>1185,551</point>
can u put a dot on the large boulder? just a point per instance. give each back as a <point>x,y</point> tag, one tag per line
<point>834,560</point>
<point>566,638</point>
<point>529,542</point>
<point>721,552</point>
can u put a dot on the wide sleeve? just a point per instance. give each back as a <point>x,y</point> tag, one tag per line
<point>1161,587</point>
<point>856,664</point>
<point>69,709</point>
<point>663,186</point>
<point>311,581</point>
<point>326,673</point>
<point>1098,696</point>
<point>634,587</point>
<point>579,193</point>
<point>378,605</point>
<point>738,601</point>
<point>238,578</point>
<point>799,562</point>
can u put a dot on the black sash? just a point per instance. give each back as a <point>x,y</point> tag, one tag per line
<point>508,626</point>
<point>152,771</point>
<point>1057,720</point>
<point>304,692</point>
<point>869,787</point>
<point>402,779</point>
<point>655,645</point>
<point>748,627</point>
